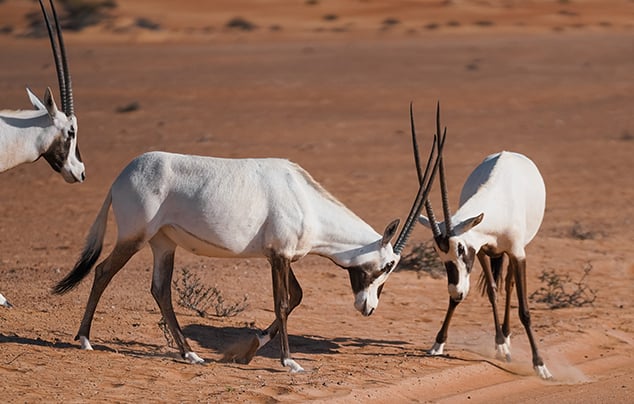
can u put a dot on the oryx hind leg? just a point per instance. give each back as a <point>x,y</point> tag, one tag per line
<point>518,265</point>
<point>163,250</point>
<point>295,299</point>
<point>244,351</point>
<point>105,271</point>
<point>281,268</point>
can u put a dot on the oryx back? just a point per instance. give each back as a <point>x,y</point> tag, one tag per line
<point>215,206</point>
<point>508,188</point>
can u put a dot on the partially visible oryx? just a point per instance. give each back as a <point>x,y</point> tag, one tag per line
<point>218,207</point>
<point>501,209</point>
<point>47,132</point>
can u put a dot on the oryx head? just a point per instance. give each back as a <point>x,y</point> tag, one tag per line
<point>63,153</point>
<point>375,262</point>
<point>452,242</point>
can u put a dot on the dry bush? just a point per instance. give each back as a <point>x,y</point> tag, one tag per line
<point>166,333</point>
<point>192,294</point>
<point>560,291</point>
<point>423,258</point>
<point>240,24</point>
<point>74,15</point>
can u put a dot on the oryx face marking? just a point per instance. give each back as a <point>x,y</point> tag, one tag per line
<point>63,153</point>
<point>458,261</point>
<point>367,283</point>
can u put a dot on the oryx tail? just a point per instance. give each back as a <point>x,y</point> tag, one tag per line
<point>91,252</point>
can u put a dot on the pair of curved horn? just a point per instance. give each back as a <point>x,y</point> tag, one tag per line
<point>425,179</point>
<point>61,64</point>
<point>435,228</point>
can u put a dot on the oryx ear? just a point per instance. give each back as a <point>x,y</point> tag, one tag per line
<point>35,101</point>
<point>389,232</point>
<point>469,224</point>
<point>49,103</point>
<point>424,221</point>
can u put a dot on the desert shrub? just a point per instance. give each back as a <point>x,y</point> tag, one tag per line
<point>423,259</point>
<point>561,291</point>
<point>129,107</point>
<point>166,333</point>
<point>148,24</point>
<point>390,22</point>
<point>74,15</point>
<point>484,23</point>
<point>241,24</point>
<point>579,232</point>
<point>193,295</point>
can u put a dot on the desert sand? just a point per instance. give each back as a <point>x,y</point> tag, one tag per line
<point>327,84</point>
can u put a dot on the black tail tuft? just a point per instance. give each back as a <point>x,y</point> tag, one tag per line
<point>79,272</point>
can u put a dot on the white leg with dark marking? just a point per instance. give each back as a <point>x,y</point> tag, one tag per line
<point>437,349</point>
<point>192,358</point>
<point>503,351</point>
<point>4,302</point>
<point>85,343</point>
<point>543,372</point>
<point>292,365</point>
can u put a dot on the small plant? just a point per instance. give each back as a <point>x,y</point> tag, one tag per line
<point>423,258</point>
<point>192,294</point>
<point>627,136</point>
<point>241,24</point>
<point>390,22</point>
<point>166,333</point>
<point>556,295</point>
<point>74,16</point>
<point>579,232</point>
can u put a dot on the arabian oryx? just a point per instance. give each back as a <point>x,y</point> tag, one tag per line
<point>25,136</point>
<point>501,208</point>
<point>218,207</point>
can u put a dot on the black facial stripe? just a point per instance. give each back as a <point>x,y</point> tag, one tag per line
<point>469,258</point>
<point>452,273</point>
<point>58,152</point>
<point>362,276</point>
<point>78,154</point>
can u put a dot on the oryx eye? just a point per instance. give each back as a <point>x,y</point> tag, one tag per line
<point>460,249</point>
<point>389,266</point>
<point>71,132</point>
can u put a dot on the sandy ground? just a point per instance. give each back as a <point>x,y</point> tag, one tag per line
<point>550,79</point>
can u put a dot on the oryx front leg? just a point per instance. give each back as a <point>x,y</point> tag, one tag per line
<point>281,270</point>
<point>502,342</point>
<point>441,337</point>
<point>244,351</point>
<point>163,250</point>
<point>104,273</point>
<point>518,266</point>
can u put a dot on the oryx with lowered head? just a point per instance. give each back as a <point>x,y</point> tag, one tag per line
<point>217,207</point>
<point>501,209</point>
<point>27,135</point>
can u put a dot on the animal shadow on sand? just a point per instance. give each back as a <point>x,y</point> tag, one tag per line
<point>220,338</point>
<point>131,348</point>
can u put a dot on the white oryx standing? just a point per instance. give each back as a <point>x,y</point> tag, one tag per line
<point>501,209</point>
<point>25,136</point>
<point>217,207</point>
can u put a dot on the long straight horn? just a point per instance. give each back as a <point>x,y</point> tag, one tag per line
<point>69,108</point>
<point>443,182</point>
<point>425,182</point>
<point>63,78</point>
